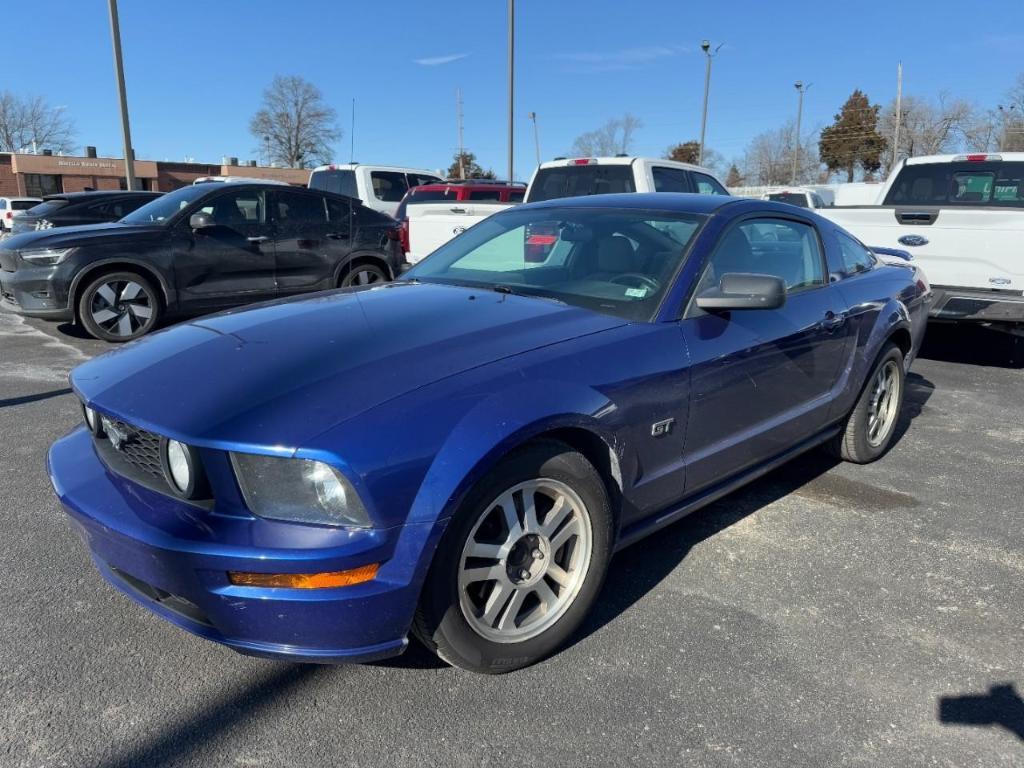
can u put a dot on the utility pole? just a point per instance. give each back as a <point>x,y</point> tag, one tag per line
<point>511,85</point>
<point>899,114</point>
<point>536,136</point>
<point>352,135</point>
<point>706,47</point>
<point>462,149</point>
<point>799,114</point>
<point>129,159</point>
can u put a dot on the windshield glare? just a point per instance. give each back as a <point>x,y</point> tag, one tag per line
<point>614,261</point>
<point>165,206</point>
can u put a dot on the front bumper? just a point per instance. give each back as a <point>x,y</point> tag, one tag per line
<point>973,305</point>
<point>170,557</point>
<point>36,292</point>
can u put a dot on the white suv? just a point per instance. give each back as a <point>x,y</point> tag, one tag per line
<point>10,207</point>
<point>380,187</point>
<point>570,177</point>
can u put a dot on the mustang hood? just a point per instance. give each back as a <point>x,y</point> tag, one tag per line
<point>278,374</point>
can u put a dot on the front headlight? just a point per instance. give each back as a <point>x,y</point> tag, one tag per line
<point>45,257</point>
<point>298,490</point>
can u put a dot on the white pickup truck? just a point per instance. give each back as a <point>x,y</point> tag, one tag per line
<point>962,218</point>
<point>431,225</point>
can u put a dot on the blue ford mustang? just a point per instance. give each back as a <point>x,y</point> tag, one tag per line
<point>459,453</point>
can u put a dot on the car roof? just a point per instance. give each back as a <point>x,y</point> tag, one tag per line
<point>372,167</point>
<point>469,185</point>
<point>19,197</point>
<point>681,202</point>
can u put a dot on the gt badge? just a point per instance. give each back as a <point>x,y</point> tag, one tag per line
<point>660,428</point>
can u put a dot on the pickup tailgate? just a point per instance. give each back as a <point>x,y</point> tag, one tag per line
<point>963,247</point>
<point>431,225</point>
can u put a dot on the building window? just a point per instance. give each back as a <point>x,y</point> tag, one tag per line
<point>42,184</point>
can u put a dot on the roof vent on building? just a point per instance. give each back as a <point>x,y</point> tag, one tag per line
<point>252,163</point>
<point>232,161</point>
<point>48,152</point>
<point>90,151</point>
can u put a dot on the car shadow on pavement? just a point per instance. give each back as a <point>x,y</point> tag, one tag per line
<point>972,345</point>
<point>638,569</point>
<point>1002,706</point>
<point>35,397</point>
<point>203,726</point>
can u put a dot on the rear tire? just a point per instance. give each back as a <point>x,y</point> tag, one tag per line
<point>871,425</point>
<point>119,306</point>
<point>363,274</point>
<point>521,563</point>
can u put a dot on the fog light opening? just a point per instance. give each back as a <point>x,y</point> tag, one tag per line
<point>327,580</point>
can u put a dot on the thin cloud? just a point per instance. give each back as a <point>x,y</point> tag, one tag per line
<point>434,61</point>
<point>627,58</point>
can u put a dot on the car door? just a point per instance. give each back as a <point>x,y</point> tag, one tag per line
<point>311,237</point>
<point>762,380</point>
<point>230,262</point>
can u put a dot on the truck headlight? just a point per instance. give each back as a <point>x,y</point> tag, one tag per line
<point>298,490</point>
<point>45,257</point>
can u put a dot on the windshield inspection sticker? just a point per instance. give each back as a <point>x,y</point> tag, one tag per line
<point>636,293</point>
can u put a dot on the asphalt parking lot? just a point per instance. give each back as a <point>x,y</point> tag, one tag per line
<point>828,615</point>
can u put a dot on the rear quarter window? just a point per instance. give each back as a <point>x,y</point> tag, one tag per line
<point>340,182</point>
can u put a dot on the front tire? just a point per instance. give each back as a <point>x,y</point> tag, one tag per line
<point>119,306</point>
<point>363,274</point>
<point>521,563</point>
<point>871,425</point>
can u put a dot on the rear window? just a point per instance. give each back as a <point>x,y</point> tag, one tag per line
<point>389,186</point>
<point>23,205</point>
<point>573,180</point>
<point>993,184</point>
<point>485,194</point>
<point>49,207</point>
<point>338,182</point>
<point>793,198</point>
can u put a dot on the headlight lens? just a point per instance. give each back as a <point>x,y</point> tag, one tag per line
<point>298,490</point>
<point>183,470</point>
<point>46,256</point>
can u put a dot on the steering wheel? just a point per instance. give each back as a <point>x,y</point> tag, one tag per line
<point>637,280</point>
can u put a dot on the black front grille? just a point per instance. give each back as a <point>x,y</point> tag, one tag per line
<point>138,447</point>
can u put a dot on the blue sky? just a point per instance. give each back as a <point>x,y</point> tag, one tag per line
<point>195,70</point>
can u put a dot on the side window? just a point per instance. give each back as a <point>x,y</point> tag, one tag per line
<point>778,247</point>
<point>485,194</point>
<point>706,185</point>
<point>856,258</point>
<point>3,205</point>
<point>298,215</point>
<point>339,217</point>
<point>388,186</point>
<point>669,179</point>
<point>419,179</point>
<point>239,211</point>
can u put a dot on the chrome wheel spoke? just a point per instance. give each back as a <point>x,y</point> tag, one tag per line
<point>483,550</point>
<point>556,516</point>
<point>512,610</point>
<point>497,601</point>
<point>559,575</point>
<point>569,530</point>
<point>140,311</point>
<point>104,315</point>
<point>483,573</point>
<point>130,291</point>
<point>546,595</point>
<point>106,292</point>
<point>124,325</point>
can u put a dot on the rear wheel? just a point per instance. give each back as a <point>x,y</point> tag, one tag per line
<point>119,306</point>
<point>363,274</point>
<point>521,563</point>
<point>870,427</point>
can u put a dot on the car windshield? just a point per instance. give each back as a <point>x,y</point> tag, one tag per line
<point>163,208</point>
<point>615,261</point>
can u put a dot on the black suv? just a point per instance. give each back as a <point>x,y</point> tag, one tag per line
<point>75,208</point>
<point>199,249</point>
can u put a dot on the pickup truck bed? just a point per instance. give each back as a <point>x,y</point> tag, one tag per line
<point>431,225</point>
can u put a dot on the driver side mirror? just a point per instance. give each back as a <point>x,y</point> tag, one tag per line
<point>200,221</point>
<point>738,290</point>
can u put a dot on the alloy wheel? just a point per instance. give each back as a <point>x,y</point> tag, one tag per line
<point>884,403</point>
<point>121,307</point>
<point>525,560</point>
<point>365,277</point>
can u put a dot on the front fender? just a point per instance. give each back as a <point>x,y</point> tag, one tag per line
<point>496,425</point>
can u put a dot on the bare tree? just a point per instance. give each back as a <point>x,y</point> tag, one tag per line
<point>30,122</point>
<point>613,138</point>
<point>768,159</point>
<point>295,126</point>
<point>927,128</point>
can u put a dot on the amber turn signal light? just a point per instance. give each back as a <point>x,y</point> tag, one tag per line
<point>305,580</point>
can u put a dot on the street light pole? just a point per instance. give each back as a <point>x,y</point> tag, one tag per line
<point>799,114</point>
<point>511,85</point>
<point>536,136</point>
<point>706,47</point>
<point>115,33</point>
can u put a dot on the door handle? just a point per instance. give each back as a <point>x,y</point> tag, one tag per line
<point>457,210</point>
<point>258,239</point>
<point>832,321</point>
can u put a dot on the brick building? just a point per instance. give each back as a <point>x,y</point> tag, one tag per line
<point>38,175</point>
